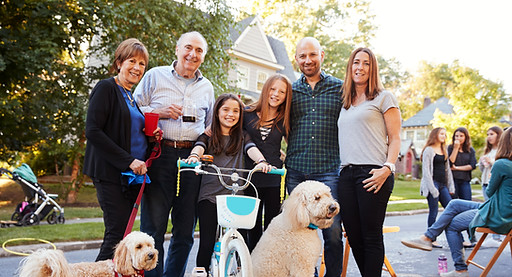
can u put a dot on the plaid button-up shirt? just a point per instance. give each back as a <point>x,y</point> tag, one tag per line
<point>313,141</point>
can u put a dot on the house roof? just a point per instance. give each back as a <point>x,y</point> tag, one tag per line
<point>277,46</point>
<point>423,117</point>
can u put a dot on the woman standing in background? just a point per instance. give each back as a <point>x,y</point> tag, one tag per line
<point>487,160</point>
<point>463,161</point>
<point>437,181</point>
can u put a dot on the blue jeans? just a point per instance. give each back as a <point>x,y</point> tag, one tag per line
<point>333,244</point>
<point>363,215</point>
<point>158,200</point>
<point>462,189</point>
<point>433,207</point>
<point>456,218</point>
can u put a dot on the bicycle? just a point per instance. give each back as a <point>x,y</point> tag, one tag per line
<point>231,256</point>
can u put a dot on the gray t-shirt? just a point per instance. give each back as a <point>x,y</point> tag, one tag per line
<point>362,131</point>
<point>210,184</point>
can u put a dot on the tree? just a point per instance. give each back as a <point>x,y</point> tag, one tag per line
<point>477,102</point>
<point>42,86</point>
<point>340,27</point>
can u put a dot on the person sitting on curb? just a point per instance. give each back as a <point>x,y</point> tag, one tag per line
<point>461,215</point>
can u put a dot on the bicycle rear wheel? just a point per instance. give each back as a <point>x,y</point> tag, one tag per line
<point>238,260</point>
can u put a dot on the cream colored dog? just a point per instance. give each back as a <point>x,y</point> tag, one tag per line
<point>291,245</point>
<point>134,254</point>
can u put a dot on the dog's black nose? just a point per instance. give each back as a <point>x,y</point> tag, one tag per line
<point>332,208</point>
<point>151,255</point>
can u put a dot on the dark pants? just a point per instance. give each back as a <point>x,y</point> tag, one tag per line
<point>117,205</point>
<point>363,215</point>
<point>333,243</point>
<point>207,212</point>
<point>271,203</point>
<point>433,206</point>
<point>462,189</point>
<point>158,200</point>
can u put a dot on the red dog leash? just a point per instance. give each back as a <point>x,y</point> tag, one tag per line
<point>155,153</point>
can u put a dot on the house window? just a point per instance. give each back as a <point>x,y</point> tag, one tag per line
<point>421,135</point>
<point>243,77</point>
<point>409,135</point>
<point>262,77</point>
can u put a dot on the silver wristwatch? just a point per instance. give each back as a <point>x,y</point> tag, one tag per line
<point>391,167</point>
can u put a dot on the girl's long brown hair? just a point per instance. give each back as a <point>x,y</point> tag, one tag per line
<point>498,131</point>
<point>433,138</point>
<point>374,84</point>
<point>283,111</point>
<point>236,132</point>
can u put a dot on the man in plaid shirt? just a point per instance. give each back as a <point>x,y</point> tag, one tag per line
<point>313,152</point>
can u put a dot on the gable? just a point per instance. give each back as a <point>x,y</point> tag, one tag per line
<point>254,42</point>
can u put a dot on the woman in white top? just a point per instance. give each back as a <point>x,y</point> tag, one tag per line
<point>369,140</point>
<point>487,160</point>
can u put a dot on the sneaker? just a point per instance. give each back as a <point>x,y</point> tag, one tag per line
<point>436,244</point>
<point>455,273</point>
<point>468,244</point>
<point>418,244</point>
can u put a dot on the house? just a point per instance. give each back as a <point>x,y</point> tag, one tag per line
<point>407,163</point>
<point>256,57</point>
<point>417,127</point>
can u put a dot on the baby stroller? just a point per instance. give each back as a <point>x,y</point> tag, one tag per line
<point>38,204</point>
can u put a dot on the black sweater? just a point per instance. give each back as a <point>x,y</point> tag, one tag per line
<point>108,128</point>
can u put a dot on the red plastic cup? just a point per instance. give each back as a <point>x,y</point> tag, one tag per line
<point>151,123</point>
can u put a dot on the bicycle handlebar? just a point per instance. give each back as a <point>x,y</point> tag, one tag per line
<point>196,167</point>
<point>276,171</point>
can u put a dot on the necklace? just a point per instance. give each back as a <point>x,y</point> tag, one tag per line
<point>128,93</point>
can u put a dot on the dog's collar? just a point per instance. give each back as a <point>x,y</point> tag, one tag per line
<point>312,226</point>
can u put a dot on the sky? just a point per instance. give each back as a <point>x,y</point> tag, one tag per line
<point>478,33</point>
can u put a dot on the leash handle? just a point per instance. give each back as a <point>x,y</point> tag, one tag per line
<point>155,153</point>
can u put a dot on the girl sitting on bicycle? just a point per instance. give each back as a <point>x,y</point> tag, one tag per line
<point>227,145</point>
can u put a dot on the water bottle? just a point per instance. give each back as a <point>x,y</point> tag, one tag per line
<point>442,264</point>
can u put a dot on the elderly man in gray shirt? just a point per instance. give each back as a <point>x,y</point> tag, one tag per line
<point>184,100</point>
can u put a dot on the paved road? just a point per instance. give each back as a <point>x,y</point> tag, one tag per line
<point>405,261</point>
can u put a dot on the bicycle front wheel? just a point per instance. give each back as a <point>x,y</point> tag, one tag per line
<point>238,260</point>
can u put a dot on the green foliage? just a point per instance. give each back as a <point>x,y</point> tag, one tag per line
<point>477,102</point>
<point>42,87</point>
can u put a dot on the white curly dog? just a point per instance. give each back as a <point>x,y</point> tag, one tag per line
<point>133,255</point>
<point>291,244</point>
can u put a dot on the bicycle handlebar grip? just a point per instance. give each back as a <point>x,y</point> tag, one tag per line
<point>182,163</point>
<point>277,171</point>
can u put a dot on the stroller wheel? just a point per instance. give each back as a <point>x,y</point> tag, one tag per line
<point>30,219</point>
<point>61,219</point>
<point>52,218</point>
<point>16,216</point>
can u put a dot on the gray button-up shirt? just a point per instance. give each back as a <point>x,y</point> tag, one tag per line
<point>162,86</point>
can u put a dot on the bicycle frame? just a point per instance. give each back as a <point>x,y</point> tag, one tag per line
<point>230,241</point>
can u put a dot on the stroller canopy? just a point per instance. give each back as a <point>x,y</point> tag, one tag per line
<point>25,172</point>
